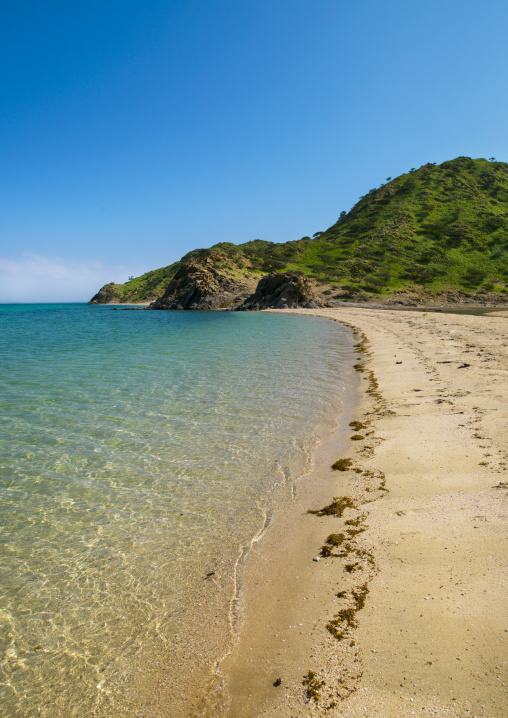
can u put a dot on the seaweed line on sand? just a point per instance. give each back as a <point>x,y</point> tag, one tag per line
<point>347,543</point>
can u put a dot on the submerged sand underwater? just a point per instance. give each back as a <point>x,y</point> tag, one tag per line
<point>141,453</point>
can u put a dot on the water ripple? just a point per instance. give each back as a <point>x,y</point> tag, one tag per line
<point>139,450</point>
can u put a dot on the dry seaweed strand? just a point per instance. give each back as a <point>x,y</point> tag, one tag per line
<point>336,508</point>
<point>342,464</point>
<point>313,686</point>
<point>346,618</point>
<point>344,544</point>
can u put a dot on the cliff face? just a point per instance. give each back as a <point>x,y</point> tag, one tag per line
<point>201,283</point>
<point>281,291</point>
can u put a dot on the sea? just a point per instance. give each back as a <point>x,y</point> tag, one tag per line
<point>141,453</point>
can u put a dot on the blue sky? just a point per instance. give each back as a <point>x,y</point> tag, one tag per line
<point>133,132</point>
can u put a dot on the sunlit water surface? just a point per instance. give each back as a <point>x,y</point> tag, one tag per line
<point>137,448</point>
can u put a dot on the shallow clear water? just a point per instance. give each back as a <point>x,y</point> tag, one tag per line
<point>139,452</point>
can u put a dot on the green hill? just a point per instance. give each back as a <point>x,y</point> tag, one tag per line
<point>146,288</point>
<point>439,226</point>
<point>436,228</point>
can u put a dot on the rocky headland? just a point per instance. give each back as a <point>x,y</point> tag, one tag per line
<point>203,282</point>
<point>434,236</point>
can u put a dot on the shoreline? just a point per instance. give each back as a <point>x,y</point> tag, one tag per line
<point>191,683</point>
<point>427,633</point>
<point>259,658</point>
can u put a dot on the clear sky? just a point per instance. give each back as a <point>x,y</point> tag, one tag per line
<point>134,131</point>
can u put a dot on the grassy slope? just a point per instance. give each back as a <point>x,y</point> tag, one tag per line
<point>147,287</point>
<point>441,227</point>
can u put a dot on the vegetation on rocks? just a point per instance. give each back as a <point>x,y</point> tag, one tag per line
<point>146,288</point>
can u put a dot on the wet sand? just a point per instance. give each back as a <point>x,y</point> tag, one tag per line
<point>408,615</point>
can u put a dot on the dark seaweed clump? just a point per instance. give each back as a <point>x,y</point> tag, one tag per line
<point>346,617</point>
<point>313,686</point>
<point>336,508</point>
<point>334,540</point>
<point>342,464</point>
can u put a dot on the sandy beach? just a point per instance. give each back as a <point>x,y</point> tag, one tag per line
<point>390,599</point>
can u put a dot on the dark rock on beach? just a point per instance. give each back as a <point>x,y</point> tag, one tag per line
<point>281,291</point>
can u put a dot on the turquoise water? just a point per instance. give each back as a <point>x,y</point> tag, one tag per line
<point>140,451</point>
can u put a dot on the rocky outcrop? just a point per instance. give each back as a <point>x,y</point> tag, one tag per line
<point>107,295</point>
<point>282,290</point>
<point>206,281</point>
